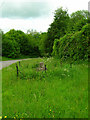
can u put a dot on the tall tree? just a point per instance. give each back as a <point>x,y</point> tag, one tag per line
<point>43,37</point>
<point>21,38</point>
<point>10,48</point>
<point>57,29</point>
<point>34,39</point>
<point>77,20</point>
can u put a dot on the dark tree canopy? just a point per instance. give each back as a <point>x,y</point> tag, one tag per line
<point>58,28</point>
<point>77,20</point>
<point>21,40</point>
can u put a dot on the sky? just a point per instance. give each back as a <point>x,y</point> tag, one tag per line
<point>34,14</point>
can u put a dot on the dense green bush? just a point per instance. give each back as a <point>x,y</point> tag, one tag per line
<point>16,43</point>
<point>21,38</point>
<point>10,48</point>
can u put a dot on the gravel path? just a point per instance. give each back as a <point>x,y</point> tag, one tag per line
<point>9,62</point>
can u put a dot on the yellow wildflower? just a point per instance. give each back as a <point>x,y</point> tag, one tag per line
<point>53,115</point>
<point>50,109</point>
<point>0,117</point>
<point>16,115</point>
<point>5,117</point>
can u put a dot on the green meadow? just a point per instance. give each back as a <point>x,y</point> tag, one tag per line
<point>60,92</point>
<point>60,89</point>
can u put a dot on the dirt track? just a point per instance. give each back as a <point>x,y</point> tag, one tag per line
<point>9,62</point>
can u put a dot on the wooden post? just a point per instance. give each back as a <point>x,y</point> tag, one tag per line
<point>45,68</point>
<point>17,69</point>
<point>19,63</point>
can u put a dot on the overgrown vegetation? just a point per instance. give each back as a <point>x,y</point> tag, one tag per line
<point>61,92</point>
<point>67,36</point>
<point>73,45</point>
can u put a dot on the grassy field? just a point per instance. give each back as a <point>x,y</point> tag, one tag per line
<point>61,92</point>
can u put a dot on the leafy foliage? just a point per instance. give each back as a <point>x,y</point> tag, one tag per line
<point>67,37</point>
<point>16,42</point>
<point>33,38</point>
<point>42,41</point>
<point>73,45</point>
<point>77,20</point>
<point>10,48</point>
<point>57,29</point>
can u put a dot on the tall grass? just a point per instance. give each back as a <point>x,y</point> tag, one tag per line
<point>61,92</point>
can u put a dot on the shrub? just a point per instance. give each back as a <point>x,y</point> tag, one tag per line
<point>10,48</point>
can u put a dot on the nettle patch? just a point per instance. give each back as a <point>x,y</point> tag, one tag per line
<point>31,72</point>
<point>40,71</point>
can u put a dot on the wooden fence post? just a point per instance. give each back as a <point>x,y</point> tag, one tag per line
<point>17,69</point>
<point>19,63</point>
<point>45,68</point>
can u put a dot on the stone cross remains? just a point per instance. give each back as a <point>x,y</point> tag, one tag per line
<point>42,67</point>
<point>41,64</point>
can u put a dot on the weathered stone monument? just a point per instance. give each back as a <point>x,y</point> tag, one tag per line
<point>42,67</point>
<point>41,64</point>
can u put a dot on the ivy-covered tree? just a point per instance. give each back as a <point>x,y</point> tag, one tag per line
<point>73,45</point>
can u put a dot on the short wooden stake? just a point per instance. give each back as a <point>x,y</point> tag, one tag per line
<point>19,63</point>
<point>45,68</point>
<point>17,69</point>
